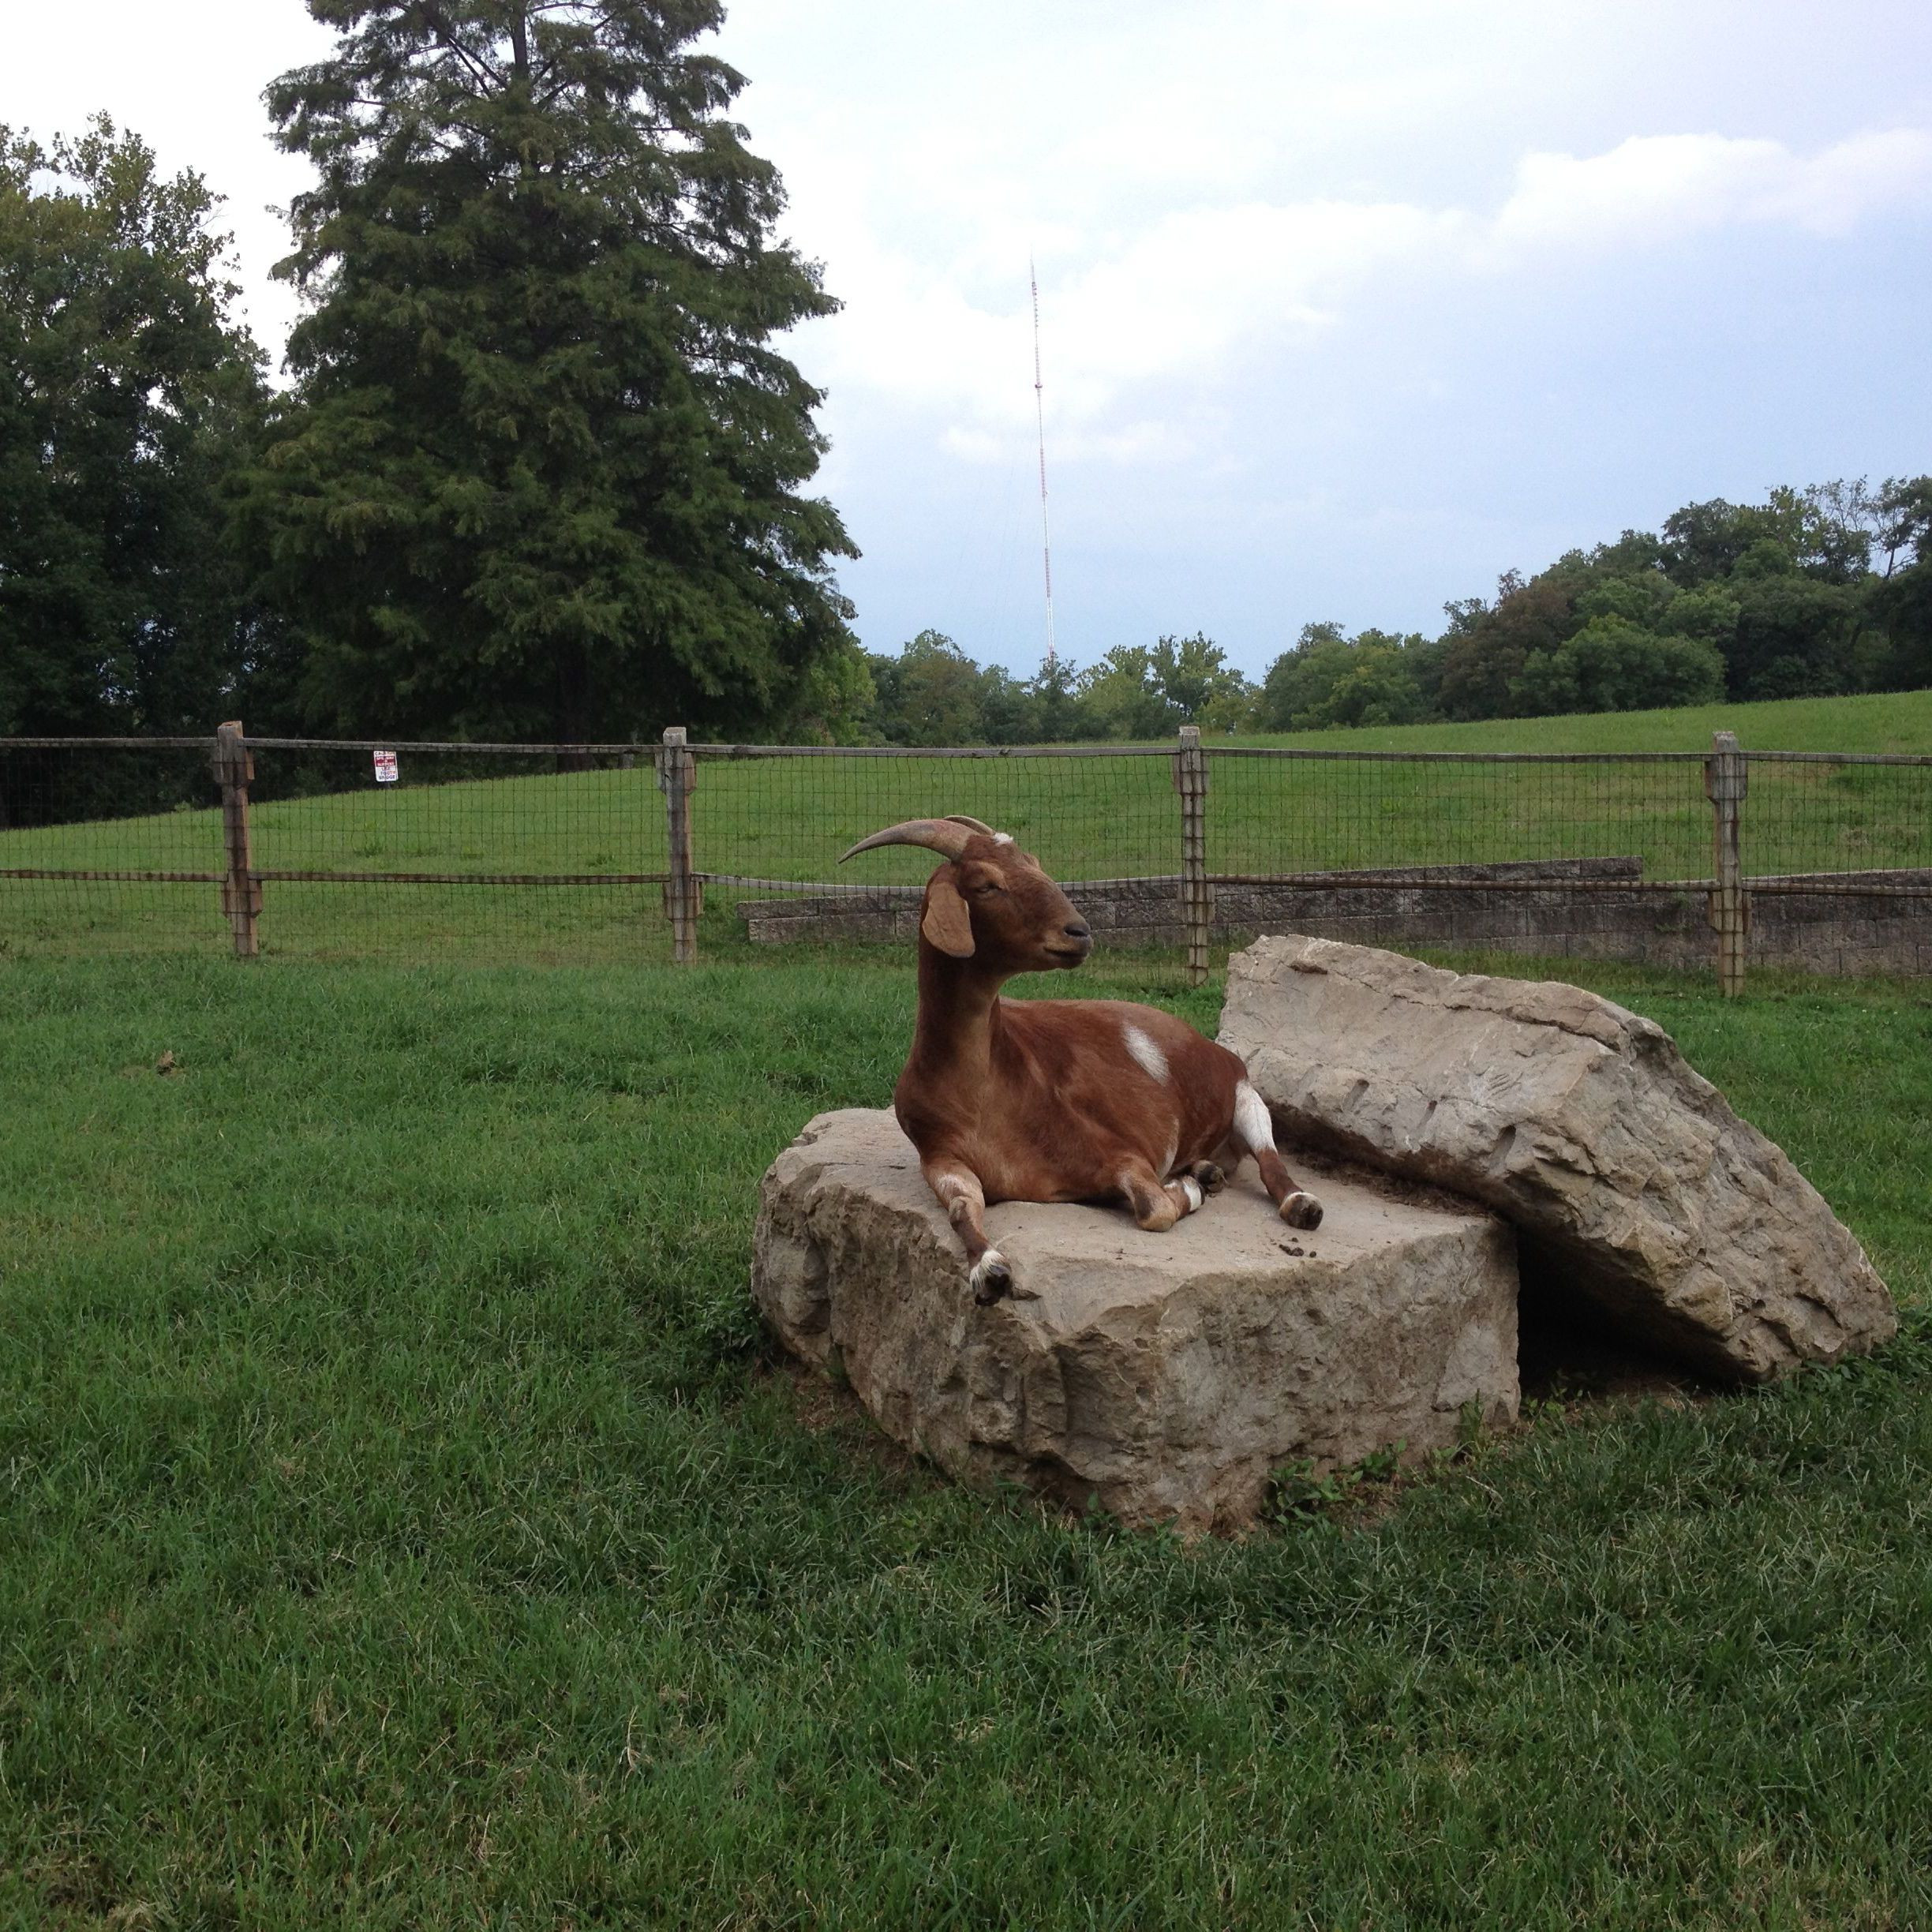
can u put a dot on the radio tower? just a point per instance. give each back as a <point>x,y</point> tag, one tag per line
<point>1039,414</point>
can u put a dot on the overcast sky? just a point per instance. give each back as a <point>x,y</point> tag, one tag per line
<point>1348,306</point>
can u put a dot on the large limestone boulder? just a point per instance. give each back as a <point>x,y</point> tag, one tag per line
<point>1164,1375</point>
<point>1632,1184</point>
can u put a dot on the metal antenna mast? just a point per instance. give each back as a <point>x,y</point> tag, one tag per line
<point>1039,414</point>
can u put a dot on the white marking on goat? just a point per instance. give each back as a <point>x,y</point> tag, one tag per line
<point>1252,1121</point>
<point>991,1259</point>
<point>1173,1147</point>
<point>1142,1046</point>
<point>1191,1188</point>
<point>1002,838</point>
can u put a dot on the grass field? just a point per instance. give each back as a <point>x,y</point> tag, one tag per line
<point>403,1529</point>
<point>1088,818</point>
<point>1886,721</point>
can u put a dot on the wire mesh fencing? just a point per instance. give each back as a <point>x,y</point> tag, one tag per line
<point>1850,824</point>
<point>521,853</point>
<point>770,823</point>
<point>630,853</point>
<point>110,843</point>
<point>1434,816</point>
<point>355,850</point>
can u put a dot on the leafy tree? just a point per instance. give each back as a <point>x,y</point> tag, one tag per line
<point>1842,522</point>
<point>1141,691</point>
<point>1120,696</point>
<point>1008,711</point>
<point>1058,713</point>
<point>1825,531</point>
<point>1613,664</point>
<point>1480,666</point>
<point>1704,540</point>
<point>1423,658</point>
<point>1904,508</point>
<point>835,701</point>
<point>1763,556</point>
<point>540,474</point>
<point>1298,683</point>
<point>932,694</point>
<point>1794,635</point>
<point>1194,677</point>
<point>126,393</point>
<point>1709,614</point>
<point>1328,680</point>
<point>1901,599</point>
<point>1235,708</point>
<point>1635,553</point>
<point>1641,599</point>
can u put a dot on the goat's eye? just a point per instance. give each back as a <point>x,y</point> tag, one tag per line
<point>988,886</point>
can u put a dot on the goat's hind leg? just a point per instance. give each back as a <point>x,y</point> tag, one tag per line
<point>1254,1134</point>
<point>1155,1205</point>
<point>963,1198</point>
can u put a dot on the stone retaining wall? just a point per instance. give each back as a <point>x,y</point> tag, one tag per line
<point>1838,929</point>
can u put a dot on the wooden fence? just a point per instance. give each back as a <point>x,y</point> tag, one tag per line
<point>1194,902</point>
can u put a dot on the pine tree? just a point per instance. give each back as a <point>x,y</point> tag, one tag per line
<point>540,472</point>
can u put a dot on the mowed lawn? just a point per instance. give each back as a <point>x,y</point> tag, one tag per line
<point>1109,816</point>
<point>403,1527</point>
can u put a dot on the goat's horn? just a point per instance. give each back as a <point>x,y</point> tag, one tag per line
<point>940,835</point>
<point>977,825</point>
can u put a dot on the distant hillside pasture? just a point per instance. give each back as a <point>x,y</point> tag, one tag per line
<point>1110,815</point>
<point>1887,721</point>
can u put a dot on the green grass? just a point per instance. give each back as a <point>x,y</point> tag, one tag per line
<point>1086,818</point>
<point>401,1527</point>
<point>1888,722</point>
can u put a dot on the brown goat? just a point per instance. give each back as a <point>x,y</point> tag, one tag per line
<point>1055,1100</point>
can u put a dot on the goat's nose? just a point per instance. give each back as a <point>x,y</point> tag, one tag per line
<point>1077,929</point>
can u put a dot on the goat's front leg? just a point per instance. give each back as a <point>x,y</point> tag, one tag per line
<point>1155,1205</point>
<point>963,1198</point>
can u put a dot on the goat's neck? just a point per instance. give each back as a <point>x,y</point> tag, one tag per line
<point>958,1014</point>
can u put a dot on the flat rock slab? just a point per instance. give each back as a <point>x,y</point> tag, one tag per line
<point>1632,1184</point>
<point>1164,1375</point>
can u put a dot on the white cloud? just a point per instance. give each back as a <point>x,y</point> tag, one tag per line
<point>1159,306</point>
<point>1859,178</point>
<point>1659,187</point>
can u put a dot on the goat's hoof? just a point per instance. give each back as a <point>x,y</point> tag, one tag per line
<point>1212,1179</point>
<point>1301,1210</point>
<point>991,1278</point>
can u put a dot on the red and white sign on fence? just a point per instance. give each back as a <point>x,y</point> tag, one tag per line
<point>385,768</point>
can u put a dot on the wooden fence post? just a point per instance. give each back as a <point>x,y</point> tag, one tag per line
<point>1725,778</point>
<point>677,776</point>
<point>240,892</point>
<point>1190,778</point>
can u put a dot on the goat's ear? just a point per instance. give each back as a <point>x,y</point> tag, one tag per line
<point>947,923</point>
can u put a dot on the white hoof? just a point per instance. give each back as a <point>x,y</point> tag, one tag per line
<point>1301,1210</point>
<point>990,1277</point>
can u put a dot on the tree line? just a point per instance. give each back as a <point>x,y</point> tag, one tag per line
<point>539,471</point>
<point>1813,592</point>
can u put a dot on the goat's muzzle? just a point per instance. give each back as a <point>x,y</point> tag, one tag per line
<point>1072,944</point>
